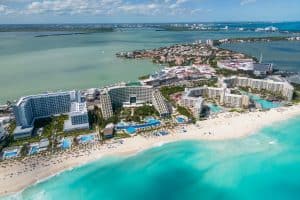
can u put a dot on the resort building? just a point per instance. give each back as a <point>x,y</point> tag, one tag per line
<point>132,95</point>
<point>262,69</point>
<point>276,86</point>
<point>193,98</point>
<point>174,74</point>
<point>78,117</point>
<point>159,102</point>
<point>30,108</point>
<point>236,101</point>
<point>128,95</point>
<point>236,64</point>
<point>106,106</point>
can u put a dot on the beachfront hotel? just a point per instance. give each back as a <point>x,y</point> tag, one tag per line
<point>272,85</point>
<point>33,107</point>
<point>131,95</point>
<point>193,98</point>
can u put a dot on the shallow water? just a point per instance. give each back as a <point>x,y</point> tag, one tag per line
<point>262,166</point>
<point>30,65</point>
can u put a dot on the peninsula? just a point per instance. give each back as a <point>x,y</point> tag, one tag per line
<point>204,93</point>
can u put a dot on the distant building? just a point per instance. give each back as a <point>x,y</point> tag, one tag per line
<point>30,108</point>
<point>262,69</point>
<point>236,64</point>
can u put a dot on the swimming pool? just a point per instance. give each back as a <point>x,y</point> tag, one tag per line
<point>87,138</point>
<point>66,143</point>
<point>10,154</point>
<point>214,108</point>
<point>265,104</point>
<point>34,150</point>
<point>131,128</point>
<point>180,120</point>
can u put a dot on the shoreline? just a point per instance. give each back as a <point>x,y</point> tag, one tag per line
<point>17,175</point>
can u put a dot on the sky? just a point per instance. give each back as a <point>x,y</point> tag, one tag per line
<point>147,11</point>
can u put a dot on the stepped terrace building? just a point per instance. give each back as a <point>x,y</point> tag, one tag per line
<point>131,95</point>
<point>275,86</point>
<point>33,107</point>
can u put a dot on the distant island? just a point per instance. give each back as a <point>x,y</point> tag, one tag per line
<point>70,28</point>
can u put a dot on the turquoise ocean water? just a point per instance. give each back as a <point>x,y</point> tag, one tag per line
<point>262,166</point>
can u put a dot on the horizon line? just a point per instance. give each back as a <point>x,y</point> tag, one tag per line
<point>179,22</point>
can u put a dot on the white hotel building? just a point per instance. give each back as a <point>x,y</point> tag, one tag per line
<point>193,98</point>
<point>282,87</point>
<point>130,95</point>
<point>33,107</point>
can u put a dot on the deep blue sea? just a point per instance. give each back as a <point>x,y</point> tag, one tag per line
<point>263,166</point>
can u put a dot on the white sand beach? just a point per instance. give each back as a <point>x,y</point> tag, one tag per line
<point>16,175</point>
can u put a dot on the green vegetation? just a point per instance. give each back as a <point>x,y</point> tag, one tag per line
<point>11,127</point>
<point>144,77</point>
<point>213,62</point>
<point>96,118</point>
<point>145,111</point>
<point>296,96</point>
<point>237,110</point>
<point>137,114</point>
<point>186,112</point>
<point>166,91</point>
<point>6,142</point>
<point>121,135</point>
<point>134,84</point>
<point>227,72</point>
<point>209,83</point>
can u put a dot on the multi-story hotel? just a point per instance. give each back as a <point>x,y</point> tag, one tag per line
<point>130,96</point>
<point>237,101</point>
<point>275,86</point>
<point>30,108</point>
<point>193,98</point>
<point>105,105</point>
<point>160,104</point>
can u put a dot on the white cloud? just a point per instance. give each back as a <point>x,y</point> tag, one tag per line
<point>245,2</point>
<point>101,7</point>
<point>5,10</point>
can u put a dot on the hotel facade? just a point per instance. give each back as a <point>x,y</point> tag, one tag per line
<point>123,95</point>
<point>193,98</point>
<point>277,87</point>
<point>33,107</point>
